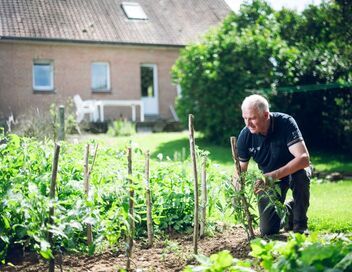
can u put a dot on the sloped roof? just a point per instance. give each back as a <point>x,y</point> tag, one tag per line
<point>170,22</point>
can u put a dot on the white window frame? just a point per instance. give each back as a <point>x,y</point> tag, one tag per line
<point>108,84</point>
<point>50,86</point>
<point>134,11</point>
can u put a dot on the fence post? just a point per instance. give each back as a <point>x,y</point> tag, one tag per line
<point>61,135</point>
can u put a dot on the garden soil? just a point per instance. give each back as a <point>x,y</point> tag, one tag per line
<point>171,254</point>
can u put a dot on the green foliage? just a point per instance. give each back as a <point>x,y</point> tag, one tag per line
<point>241,55</point>
<point>71,126</point>
<point>42,126</point>
<point>302,253</point>
<point>234,198</point>
<point>222,261</point>
<point>121,128</point>
<point>259,49</point>
<point>25,175</point>
<point>273,194</point>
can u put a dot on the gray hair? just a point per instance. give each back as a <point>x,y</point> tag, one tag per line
<point>257,101</point>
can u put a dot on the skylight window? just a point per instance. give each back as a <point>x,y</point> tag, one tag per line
<point>134,11</point>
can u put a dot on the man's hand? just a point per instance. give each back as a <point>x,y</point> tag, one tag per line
<point>259,186</point>
<point>274,175</point>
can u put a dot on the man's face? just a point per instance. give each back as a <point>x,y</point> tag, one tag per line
<point>255,122</point>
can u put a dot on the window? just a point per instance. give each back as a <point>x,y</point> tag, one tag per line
<point>100,77</point>
<point>43,75</point>
<point>134,11</point>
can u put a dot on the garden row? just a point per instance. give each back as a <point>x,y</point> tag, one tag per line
<point>330,252</point>
<point>26,173</point>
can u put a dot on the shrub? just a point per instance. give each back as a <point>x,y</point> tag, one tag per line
<point>232,60</point>
<point>41,125</point>
<point>121,128</point>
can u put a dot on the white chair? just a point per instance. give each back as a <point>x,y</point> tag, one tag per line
<point>85,106</point>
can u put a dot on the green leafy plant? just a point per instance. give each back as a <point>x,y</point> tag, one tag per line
<point>235,198</point>
<point>41,125</point>
<point>121,128</point>
<point>302,253</point>
<point>222,261</point>
<point>25,175</point>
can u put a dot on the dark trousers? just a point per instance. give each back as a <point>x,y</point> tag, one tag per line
<point>299,184</point>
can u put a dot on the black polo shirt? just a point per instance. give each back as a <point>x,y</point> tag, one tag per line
<point>270,152</point>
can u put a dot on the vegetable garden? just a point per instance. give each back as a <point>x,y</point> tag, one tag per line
<point>26,173</point>
<point>84,206</point>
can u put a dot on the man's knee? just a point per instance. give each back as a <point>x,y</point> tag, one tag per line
<point>269,229</point>
<point>300,180</point>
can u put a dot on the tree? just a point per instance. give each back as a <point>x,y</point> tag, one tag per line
<point>232,60</point>
<point>263,50</point>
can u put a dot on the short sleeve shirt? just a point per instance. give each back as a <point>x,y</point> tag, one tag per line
<point>270,152</point>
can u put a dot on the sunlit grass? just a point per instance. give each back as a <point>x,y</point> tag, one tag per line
<point>330,207</point>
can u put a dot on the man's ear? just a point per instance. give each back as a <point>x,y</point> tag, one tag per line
<point>266,115</point>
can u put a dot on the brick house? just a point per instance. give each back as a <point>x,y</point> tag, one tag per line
<point>51,50</point>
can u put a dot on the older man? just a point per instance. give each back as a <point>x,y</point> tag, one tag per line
<point>276,144</point>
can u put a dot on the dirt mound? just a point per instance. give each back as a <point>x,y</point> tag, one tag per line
<point>169,255</point>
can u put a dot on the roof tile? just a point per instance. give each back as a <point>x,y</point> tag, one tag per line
<point>170,22</point>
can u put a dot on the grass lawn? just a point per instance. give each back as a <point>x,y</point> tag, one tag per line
<point>330,207</point>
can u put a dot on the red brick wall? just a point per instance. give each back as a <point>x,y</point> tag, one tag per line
<point>72,75</point>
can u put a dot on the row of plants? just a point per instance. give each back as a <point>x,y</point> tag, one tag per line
<point>25,175</point>
<point>330,252</point>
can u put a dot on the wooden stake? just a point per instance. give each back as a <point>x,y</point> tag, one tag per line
<point>51,209</point>
<point>195,175</point>
<point>242,184</point>
<point>86,170</point>
<point>204,197</point>
<point>148,201</point>
<point>61,134</point>
<point>131,211</point>
<point>87,173</point>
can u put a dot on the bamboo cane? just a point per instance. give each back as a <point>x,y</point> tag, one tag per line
<point>86,169</point>
<point>242,184</point>
<point>195,174</point>
<point>87,173</point>
<point>51,209</point>
<point>148,201</point>
<point>131,210</point>
<point>204,197</point>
